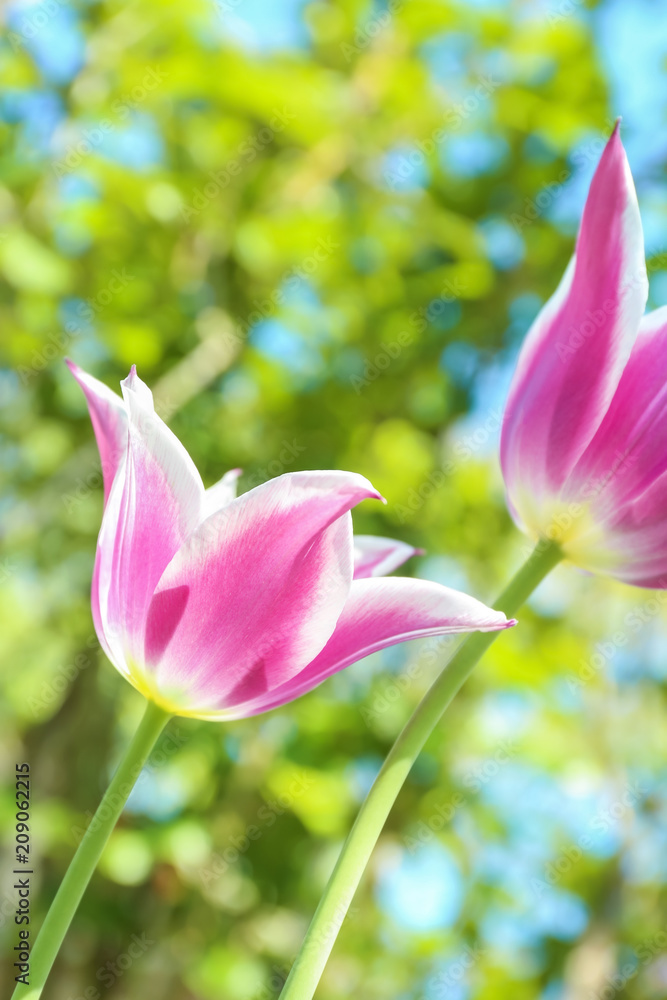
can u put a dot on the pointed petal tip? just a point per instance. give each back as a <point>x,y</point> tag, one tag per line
<point>370,491</point>
<point>137,389</point>
<point>130,380</point>
<point>500,624</point>
<point>614,153</point>
<point>76,371</point>
<point>613,159</point>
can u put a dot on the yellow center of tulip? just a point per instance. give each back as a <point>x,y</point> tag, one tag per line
<point>173,702</point>
<point>573,527</point>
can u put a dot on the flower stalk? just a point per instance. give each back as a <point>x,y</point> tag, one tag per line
<point>321,936</point>
<point>79,873</point>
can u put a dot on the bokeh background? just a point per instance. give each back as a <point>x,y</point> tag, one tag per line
<point>321,231</point>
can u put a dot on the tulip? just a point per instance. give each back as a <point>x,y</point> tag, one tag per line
<point>217,606</point>
<point>221,607</point>
<point>584,439</point>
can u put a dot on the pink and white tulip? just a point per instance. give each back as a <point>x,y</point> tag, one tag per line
<point>222,607</point>
<point>584,440</point>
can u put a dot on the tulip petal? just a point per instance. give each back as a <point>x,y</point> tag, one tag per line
<point>221,493</point>
<point>377,614</point>
<point>109,419</point>
<point>375,556</point>
<point>257,590</point>
<point>620,482</point>
<point>632,544</point>
<point>629,451</point>
<point>154,505</point>
<point>573,357</point>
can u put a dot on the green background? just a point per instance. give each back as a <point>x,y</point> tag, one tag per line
<point>321,231</point>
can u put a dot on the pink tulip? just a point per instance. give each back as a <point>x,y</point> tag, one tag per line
<point>222,607</point>
<point>584,441</point>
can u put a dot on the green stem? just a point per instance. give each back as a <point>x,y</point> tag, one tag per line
<point>319,941</point>
<point>73,886</point>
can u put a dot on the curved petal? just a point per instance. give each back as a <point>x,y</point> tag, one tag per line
<point>221,493</point>
<point>573,357</point>
<point>256,591</point>
<point>377,614</point>
<point>375,556</point>
<point>109,419</point>
<point>154,505</point>
<point>632,545</point>
<point>629,451</point>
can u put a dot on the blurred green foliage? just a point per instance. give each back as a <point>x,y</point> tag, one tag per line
<point>321,256</point>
